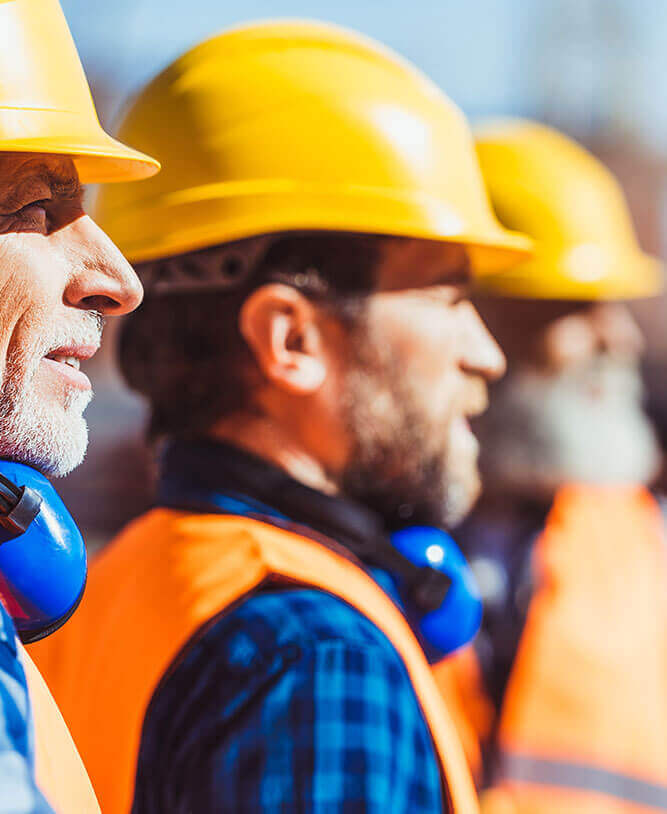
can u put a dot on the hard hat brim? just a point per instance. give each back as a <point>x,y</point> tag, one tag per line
<point>98,161</point>
<point>627,276</point>
<point>249,213</point>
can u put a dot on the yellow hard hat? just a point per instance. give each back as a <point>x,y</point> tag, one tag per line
<point>45,102</point>
<point>283,126</point>
<point>551,188</point>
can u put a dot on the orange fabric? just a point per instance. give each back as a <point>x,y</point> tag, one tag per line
<point>460,681</point>
<point>59,770</point>
<point>589,683</point>
<point>151,590</point>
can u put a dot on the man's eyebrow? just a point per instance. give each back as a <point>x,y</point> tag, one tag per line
<point>15,195</point>
<point>63,185</point>
<point>33,184</point>
<point>455,276</point>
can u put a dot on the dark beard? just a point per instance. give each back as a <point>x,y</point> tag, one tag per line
<point>401,500</point>
<point>399,462</point>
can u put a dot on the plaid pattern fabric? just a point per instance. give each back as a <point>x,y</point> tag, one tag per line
<point>293,702</point>
<point>18,789</point>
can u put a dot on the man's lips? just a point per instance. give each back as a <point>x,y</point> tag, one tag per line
<point>65,361</point>
<point>475,400</point>
<point>475,406</point>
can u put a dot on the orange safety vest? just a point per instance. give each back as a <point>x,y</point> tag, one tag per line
<point>59,771</point>
<point>583,725</point>
<point>460,681</point>
<point>150,592</point>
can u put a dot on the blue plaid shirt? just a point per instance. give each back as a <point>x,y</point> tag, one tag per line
<point>18,790</point>
<point>292,702</point>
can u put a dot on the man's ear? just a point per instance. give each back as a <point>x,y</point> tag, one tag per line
<point>279,324</point>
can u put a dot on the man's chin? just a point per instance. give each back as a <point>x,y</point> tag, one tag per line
<point>461,498</point>
<point>53,450</point>
<point>463,483</point>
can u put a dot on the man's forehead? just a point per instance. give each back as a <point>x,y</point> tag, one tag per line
<point>412,263</point>
<point>54,170</point>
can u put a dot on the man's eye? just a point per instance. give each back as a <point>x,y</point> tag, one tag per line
<point>449,294</point>
<point>462,294</point>
<point>32,215</point>
<point>36,207</point>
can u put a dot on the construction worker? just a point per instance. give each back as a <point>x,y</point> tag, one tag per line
<point>59,276</point>
<point>309,360</point>
<point>567,542</point>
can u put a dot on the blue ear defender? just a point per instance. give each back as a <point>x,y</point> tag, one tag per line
<point>458,616</point>
<point>42,554</point>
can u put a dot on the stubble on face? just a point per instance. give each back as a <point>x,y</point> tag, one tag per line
<point>42,424</point>
<point>411,462</point>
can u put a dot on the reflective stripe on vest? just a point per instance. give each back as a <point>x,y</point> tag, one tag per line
<point>149,593</point>
<point>59,771</point>
<point>529,769</point>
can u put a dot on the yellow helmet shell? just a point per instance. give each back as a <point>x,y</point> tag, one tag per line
<point>283,126</point>
<point>551,188</point>
<point>45,102</point>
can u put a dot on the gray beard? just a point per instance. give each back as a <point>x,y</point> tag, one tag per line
<point>48,434</point>
<point>546,430</point>
<point>51,438</point>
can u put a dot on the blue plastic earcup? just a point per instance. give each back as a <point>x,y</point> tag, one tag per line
<point>42,569</point>
<point>457,620</point>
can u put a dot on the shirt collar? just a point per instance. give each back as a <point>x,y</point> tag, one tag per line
<point>222,468</point>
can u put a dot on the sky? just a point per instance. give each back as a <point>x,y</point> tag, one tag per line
<point>584,63</point>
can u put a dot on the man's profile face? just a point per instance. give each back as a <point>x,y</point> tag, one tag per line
<point>59,275</point>
<point>570,407</point>
<point>420,363</point>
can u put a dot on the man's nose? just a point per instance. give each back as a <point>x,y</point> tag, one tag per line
<point>616,330</point>
<point>101,279</point>
<point>481,354</point>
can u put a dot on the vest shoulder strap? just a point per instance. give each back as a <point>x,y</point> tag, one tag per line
<point>155,588</point>
<point>60,773</point>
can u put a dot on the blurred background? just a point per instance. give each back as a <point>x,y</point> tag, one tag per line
<point>593,68</point>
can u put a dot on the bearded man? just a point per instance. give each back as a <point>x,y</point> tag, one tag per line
<point>310,363</point>
<point>567,542</point>
<point>60,275</point>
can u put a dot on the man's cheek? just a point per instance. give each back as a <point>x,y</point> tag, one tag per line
<point>23,316</point>
<point>439,395</point>
<point>13,305</point>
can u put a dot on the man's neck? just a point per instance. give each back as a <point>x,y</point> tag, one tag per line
<point>265,439</point>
